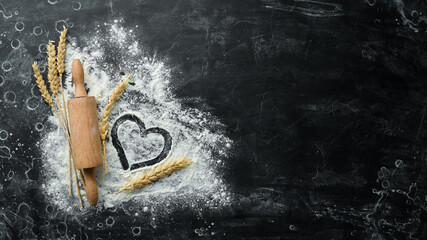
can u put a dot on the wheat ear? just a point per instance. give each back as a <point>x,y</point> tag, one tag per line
<point>52,76</point>
<point>45,94</point>
<point>61,65</point>
<point>42,86</point>
<point>104,125</point>
<point>61,51</point>
<point>60,61</point>
<point>160,171</point>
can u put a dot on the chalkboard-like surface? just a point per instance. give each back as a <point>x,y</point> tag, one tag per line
<point>324,102</point>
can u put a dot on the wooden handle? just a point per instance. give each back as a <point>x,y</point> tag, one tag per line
<point>91,188</point>
<point>79,78</point>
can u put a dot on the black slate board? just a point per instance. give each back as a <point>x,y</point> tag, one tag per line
<point>325,102</point>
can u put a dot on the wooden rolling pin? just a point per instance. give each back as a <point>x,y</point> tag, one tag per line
<point>84,131</point>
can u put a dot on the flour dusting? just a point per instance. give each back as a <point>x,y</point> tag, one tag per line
<point>195,133</point>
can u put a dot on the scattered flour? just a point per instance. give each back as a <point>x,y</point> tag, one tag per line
<point>195,133</point>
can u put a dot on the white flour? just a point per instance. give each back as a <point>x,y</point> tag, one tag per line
<point>195,133</point>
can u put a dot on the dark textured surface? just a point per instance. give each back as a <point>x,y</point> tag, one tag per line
<point>325,103</point>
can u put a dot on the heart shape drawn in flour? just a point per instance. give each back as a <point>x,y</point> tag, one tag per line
<point>144,132</point>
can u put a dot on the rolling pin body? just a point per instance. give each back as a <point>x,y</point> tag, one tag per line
<point>84,130</point>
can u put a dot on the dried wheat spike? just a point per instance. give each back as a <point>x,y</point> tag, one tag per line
<point>60,59</point>
<point>113,98</point>
<point>42,86</point>
<point>46,96</point>
<point>160,171</point>
<point>61,52</point>
<point>104,125</point>
<point>52,75</point>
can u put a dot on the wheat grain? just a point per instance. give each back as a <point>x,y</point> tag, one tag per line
<point>160,171</point>
<point>60,59</point>
<point>61,51</point>
<point>104,125</point>
<point>52,75</point>
<point>43,90</point>
<point>61,66</point>
<point>113,98</point>
<point>42,86</point>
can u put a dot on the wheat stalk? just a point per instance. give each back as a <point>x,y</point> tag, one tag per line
<point>104,125</point>
<point>60,61</point>
<point>52,77</point>
<point>48,98</point>
<point>160,171</point>
<point>78,189</point>
<point>70,183</point>
<point>82,178</point>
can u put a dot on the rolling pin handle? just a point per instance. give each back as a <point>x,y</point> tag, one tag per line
<point>91,188</point>
<point>79,78</point>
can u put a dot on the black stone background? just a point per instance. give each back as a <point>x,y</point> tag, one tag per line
<point>326,113</point>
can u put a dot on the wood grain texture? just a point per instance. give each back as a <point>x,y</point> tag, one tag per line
<point>78,78</point>
<point>84,130</point>
<point>91,188</point>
